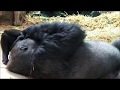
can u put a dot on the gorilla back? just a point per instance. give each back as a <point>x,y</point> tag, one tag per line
<point>92,60</point>
<point>95,59</point>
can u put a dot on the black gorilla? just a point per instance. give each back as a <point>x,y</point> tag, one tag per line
<point>58,50</point>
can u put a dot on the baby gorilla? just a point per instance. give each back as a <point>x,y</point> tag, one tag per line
<point>58,51</point>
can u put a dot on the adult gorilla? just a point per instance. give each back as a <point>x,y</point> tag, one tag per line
<point>58,50</point>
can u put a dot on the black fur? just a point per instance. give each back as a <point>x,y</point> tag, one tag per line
<point>39,33</point>
<point>52,40</point>
<point>58,50</point>
<point>92,60</point>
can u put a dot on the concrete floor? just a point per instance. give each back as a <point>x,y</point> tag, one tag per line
<point>5,74</point>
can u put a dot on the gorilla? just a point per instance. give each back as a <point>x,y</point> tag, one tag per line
<point>58,50</point>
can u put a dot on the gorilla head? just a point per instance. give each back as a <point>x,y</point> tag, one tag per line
<point>58,50</point>
<point>23,50</point>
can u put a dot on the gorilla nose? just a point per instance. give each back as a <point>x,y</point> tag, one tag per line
<point>23,47</point>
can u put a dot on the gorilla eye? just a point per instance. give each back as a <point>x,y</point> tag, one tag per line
<point>23,47</point>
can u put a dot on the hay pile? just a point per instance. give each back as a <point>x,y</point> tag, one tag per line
<point>105,27</point>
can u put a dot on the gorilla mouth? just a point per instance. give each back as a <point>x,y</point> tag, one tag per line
<point>24,65</point>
